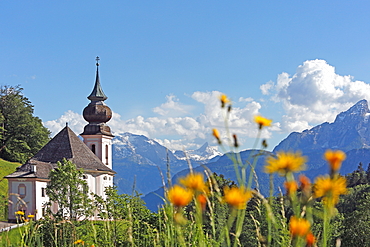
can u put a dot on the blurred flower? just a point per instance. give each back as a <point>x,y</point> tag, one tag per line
<point>224,100</point>
<point>310,239</point>
<point>330,189</point>
<point>79,241</point>
<point>335,159</point>
<point>305,182</point>
<point>179,218</point>
<point>291,187</point>
<point>285,162</point>
<point>179,196</point>
<point>299,226</point>
<point>19,213</point>
<point>216,134</point>
<point>262,122</point>
<point>237,197</point>
<point>202,199</point>
<point>31,216</point>
<point>194,181</point>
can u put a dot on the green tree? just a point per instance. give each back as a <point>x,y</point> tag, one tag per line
<point>21,133</point>
<point>69,190</point>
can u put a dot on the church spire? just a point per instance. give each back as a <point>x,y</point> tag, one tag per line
<point>97,113</point>
<point>97,94</point>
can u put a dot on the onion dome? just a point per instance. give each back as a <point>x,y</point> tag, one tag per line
<point>97,113</point>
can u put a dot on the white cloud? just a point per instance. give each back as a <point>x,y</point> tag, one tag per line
<point>172,107</point>
<point>314,94</point>
<point>176,130</point>
<point>74,120</point>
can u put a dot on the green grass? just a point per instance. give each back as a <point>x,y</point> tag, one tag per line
<point>6,168</point>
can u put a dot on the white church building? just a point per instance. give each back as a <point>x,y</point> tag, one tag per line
<point>93,155</point>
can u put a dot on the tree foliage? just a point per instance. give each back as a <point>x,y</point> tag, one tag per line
<point>70,191</point>
<point>21,133</point>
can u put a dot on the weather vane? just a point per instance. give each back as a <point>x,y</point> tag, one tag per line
<point>97,61</point>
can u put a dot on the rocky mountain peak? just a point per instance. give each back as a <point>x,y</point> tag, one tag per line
<point>350,130</point>
<point>359,110</point>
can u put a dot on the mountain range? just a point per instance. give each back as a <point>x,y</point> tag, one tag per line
<point>142,163</point>
<point>140,157</point>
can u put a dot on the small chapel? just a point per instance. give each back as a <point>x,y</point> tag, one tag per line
<point>93,154</point>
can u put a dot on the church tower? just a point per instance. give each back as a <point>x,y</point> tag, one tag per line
<point>97,135</point>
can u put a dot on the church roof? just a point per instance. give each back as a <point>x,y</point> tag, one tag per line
<point>64,145</point>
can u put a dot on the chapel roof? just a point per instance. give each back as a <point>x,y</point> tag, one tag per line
<point>64,145</point>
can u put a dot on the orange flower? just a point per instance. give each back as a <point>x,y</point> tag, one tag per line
<point>202,199</point>
<point>224,100</point>
<point>194,181</point>
<point>305,182</point>
<point>31,216</point>
<point>291,187</point>
<point>285,162</point>
<point>335,159</point>
<point>179,196</point>
<point>19,213</point>
<point>237,197</point>
<point>330,189</point>
<point>261,121</point>
<point>299,226</point>
<point>310,239</point>
<point>216,134</point>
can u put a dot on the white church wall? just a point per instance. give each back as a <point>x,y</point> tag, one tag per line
<point>41,198</point>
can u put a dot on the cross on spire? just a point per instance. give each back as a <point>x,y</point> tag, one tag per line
<point>97,61</point>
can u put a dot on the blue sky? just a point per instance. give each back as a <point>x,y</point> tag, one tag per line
<point>164,63</point>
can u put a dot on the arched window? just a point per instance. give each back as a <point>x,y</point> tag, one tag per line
<point>105,177</point>
<point>22,190</point>
<point>93,148</point>
<point>106,155</point>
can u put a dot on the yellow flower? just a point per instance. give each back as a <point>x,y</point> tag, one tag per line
<point>285,162</point>
<point>31,216</point>
<point>335,159</point>
<point>291,187</point>
<point>299,226</point>
<point>194,181</point>
<point>216,134</point>
<point>224,100</point>
<point>19,213</point>
<point>237,197</point>
<point>79,241</point>
<point>330,189</point>
<point>261,121</point>
<point>179,196</point>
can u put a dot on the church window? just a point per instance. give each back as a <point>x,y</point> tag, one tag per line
<point>106,154</point>
<point>43,192</point>
<point>93,148</point>
<point>22,190</point>
<point>84,176</point>
<point>105,178</point>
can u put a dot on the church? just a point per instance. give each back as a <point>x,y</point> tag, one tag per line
<point>93,155</point>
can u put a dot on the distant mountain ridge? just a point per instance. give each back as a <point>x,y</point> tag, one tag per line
<point>139,161</point>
